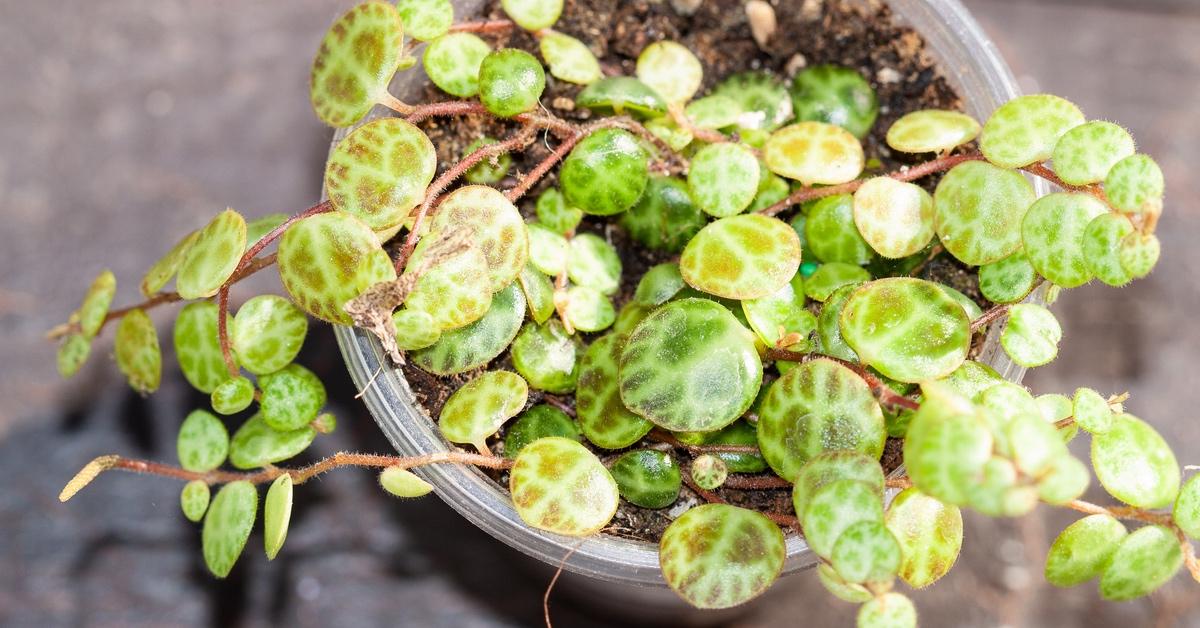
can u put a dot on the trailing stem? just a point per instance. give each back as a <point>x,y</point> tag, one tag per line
<point>299,475</point>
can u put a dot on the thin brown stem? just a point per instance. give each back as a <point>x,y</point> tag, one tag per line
<point>299,475</point>
<point>223,332</point>
<point>989,316</point>
<point>756,482</point>
<point>489,26</point>
<point>901,482</point>
<point>882,392</point>
<point>533,176</point>
<point>517,141</point>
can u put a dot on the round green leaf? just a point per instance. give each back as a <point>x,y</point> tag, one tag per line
<point>456,291</point>
<point>1031,336</point>
<point>894,217</point>
<point>931,131</point>
<point>835,507</point>
<point>1091,411</point>
<point>947,445</point>
<point>1064,480</point>
<point>588,310</point>
<point>814,153</point>
<point>718,556</point>
<point>1102,248</point>
<point>233,395</point>
<point>1083,550</point>
<point>212,258</point>
<point>831,466</point>
<point>545,356</point>
<point>1135,184</point>
<point>1135,464</point>
<point>537,422</point>
<point>255,444</point>
<point>559,486</point>
<point>829,328</point>
<point>426,20</point>
<point>277,514</point>
<point>533,15</point>
<point>762,100</point>
<point>291,397</point>
<point>403,483</point>
<point>832,234</point>
<point>202,443</point>
<point>452,62</point>
<point>816,407</point>
<point>1186,512</point>
<point>908,329</point>
<point>496,228</point>
<point>355,63</point>
<point>227,525</point>
<point>328,259</point>
<point>978,210</point>
<point>604,419</point>
<point>547,249</point>
<point>930,535</point>
<point>1144,561</point>
<point>664,218</point>
<point>668,130</point>
<point>1086,153</point>
<point>539,294</point>
<point>267,333</point>
<point>1053,232</point>
<point>828,278</point>
<point>723,178</point>
<point>569,59</point>
<point>742,257</point>
<point>714,111</point>
<point>165,268</point>
<point>671,70</point>
<point>1008,280</point>
<point>476,410</point>
<point>194,499</point>
<point>511,82</point>
<point>672,374</point>
<point>414,329</point>
<point>198,346</point>
<point>835,95</point>
<point>866,552</point>
<point>379,172</point>
<point>476,344</point>
<point>709,472</point>
<point>782,314</point>
<point>593,262</point>
<point>95,303</point>
<point>1139,253</point>
<point>1025,129</point>
<point>605,173</point>
<point>772,188</point>
<point>554,213</point>
<point>137,352</point>
<point>647,478</point>
<point>890,610</point>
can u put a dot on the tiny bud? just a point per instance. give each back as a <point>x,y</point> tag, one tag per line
<point>325,423</point>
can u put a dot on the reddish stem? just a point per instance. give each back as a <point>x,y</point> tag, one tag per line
<point>756,482</point>
<point>518,140</point>
<point>540,170</point>
<point>661,436</point>
<point>490,26</point>
<point>989,316</point>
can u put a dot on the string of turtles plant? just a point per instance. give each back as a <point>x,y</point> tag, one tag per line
<point>681,379</point>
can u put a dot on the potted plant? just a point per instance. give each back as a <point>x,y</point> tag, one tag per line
<point>755,403</point>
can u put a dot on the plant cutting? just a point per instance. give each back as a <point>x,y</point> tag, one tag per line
<point>785,325</point>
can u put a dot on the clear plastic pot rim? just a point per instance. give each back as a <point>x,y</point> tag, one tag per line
<point>972,65</point>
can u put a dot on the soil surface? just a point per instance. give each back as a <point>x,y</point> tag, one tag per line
<point>849,34</point>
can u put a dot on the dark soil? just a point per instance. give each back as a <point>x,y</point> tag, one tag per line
<point>865,38</point>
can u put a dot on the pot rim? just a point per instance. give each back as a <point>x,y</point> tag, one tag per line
<point>970,62</point>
